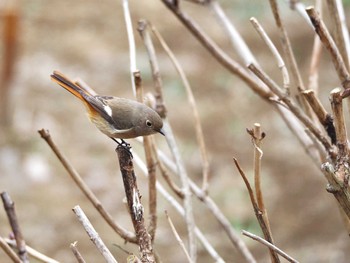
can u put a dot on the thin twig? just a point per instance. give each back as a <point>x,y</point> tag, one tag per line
<point>78,256</point>
<point>33,253</point>
<point>178,238</point>
<point>131,40</point>
<point>128,236</point>
<point>143,30</point>
<point>9,206</point>
<point>271,246</point>
<point>259,214</point>
<point>329,44</point>
<point>93,235</point>
<point>339,37</point>
<point>242,50</point>
<point>274,51</point>
<point>345,31</point>
<point>192,102</point>
<point>8,251</point>
<point>134,204</point>
<point>287,48</point>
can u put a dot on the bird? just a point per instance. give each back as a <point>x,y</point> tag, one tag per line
<point>118,118</point>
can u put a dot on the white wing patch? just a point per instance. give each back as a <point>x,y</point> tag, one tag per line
<point>108,110</point>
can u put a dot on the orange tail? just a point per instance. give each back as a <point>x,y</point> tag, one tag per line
<point>69,85</point>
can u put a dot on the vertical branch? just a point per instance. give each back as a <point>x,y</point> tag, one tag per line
<point>258,213</point>
<point>338,32</point>
<point>339,121</point>
<point>73,246</point>
<point>315,55</point>
<point>9,206</point>
<point>131,40</point>
<point>329,44</point>
<point>291,62</point>
<point>151,167</point>
<point>192,102</point>
<point>189,217</point>
<point>134,204</point>
<point>160,107</point>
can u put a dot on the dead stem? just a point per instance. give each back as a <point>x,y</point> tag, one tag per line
<point>8,251</point>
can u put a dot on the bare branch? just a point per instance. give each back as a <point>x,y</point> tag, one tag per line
<point>291,62</point>
<point>271,246</point>
<point>134,204</point>
<point>93,235</point>
<point>178,238</point>
<point>329,44</point>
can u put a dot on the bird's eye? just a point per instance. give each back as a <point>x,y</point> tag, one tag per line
<point>149,123</point>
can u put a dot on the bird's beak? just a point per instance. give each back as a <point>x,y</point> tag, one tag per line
<point>161,131</point>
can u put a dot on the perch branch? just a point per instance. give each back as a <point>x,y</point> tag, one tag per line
<point>134,204</point>
<point>9,207</point>
<point>93,235</point>
<point>128,236</point>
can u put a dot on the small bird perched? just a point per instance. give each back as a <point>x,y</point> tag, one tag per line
<point>116,117</point>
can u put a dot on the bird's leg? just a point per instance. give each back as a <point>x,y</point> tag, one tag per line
<point>123,144</point>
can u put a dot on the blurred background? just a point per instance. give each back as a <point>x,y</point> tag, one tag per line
<point>88,39</point>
